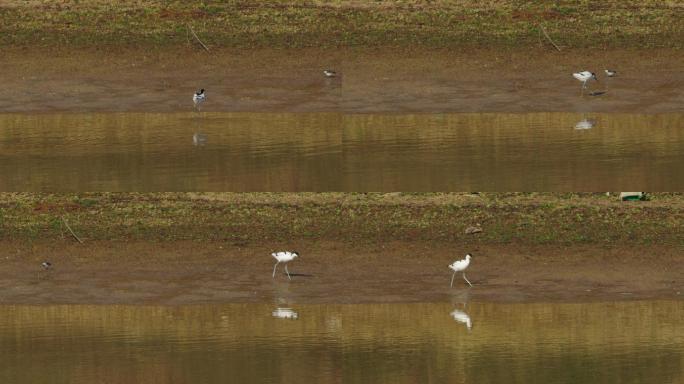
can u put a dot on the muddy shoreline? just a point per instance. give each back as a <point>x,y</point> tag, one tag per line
<point>182,272</point>
<point>379,80</point>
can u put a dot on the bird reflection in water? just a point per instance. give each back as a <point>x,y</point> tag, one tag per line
<point>462,317</point>
<point>199,139</point>
<point>285,313</point>
<point>585,124</point>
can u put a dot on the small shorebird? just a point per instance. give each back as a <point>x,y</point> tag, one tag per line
<point>610,72</point>
<point>198,98</point>
<point>283,257</point>
<point>584,76</point>
<point>460,266</point>
<point>46,265</point>
<point>329,73</point>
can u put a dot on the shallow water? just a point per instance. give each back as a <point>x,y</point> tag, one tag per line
<point>335,152</point>
<point>617,342</point>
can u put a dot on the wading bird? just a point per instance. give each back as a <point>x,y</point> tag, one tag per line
<point>610,72</point>
<point>584,76</point>
<point>329,73</point>
<point>460,266</point>
<point>198,98</point>
<point>283,257</point>
<point>46,265</point>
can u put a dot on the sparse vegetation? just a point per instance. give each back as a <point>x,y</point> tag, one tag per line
<point>246,24</point>
<point>528,218</point>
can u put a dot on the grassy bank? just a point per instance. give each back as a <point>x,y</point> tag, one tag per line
<point>335,23</point>
<point>255,217</point>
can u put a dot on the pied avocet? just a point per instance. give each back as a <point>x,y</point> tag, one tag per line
<point>198,98</point>
<point>460,266</point>
<point>284,257</point>
<point>584,76</point>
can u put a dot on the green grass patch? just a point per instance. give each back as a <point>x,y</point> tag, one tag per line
<point>342,23</point>
<point>528,218</point>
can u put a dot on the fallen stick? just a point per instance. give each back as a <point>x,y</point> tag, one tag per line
<point>549,38</point>
<point>198,39</point>
<point>72,232</point>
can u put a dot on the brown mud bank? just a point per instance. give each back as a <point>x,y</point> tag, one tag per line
<point>372,80</point>
<point>187,272</point>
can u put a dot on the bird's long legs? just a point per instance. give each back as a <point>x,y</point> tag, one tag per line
<point>274,268</point>
<point>466,279</point>
<point>288,272</point>
<point>452,279</point>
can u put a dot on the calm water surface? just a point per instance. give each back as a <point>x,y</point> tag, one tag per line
<point>623,342</point>
<point>335,152</point>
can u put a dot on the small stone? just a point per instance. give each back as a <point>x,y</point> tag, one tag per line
<point>472,230</point>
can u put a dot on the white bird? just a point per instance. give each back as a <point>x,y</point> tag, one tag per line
<point>46,265</point>
<point>285,313</point>
<point>198,98</point>
<point>284,257</point>
<point>460,266</point>
<point>462,317</point>
<point>584,76</point>
<point>329,73</point>
<point>610,72</point>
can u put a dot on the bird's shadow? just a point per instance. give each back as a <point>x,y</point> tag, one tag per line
<point>596,93</point>
<point>298,274</point>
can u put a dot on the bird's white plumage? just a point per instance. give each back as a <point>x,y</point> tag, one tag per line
<point>329,73</point>
<point>460,266</point>
<point>284,257</point>
<point>199,97</point>
<point>584,76</point>
<point>462,317</point>
<point>610,72</point>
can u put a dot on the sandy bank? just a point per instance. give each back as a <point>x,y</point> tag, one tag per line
<point>372,80</point>
<point>331,272</point>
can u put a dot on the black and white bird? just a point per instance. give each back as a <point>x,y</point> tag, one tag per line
<point>46,265</point>
<point>610,72</point>
<point>198,98</point>
<point>460,266</point>
<point>284,257</point>
<point>584,76</point>
<point>329,73</point>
